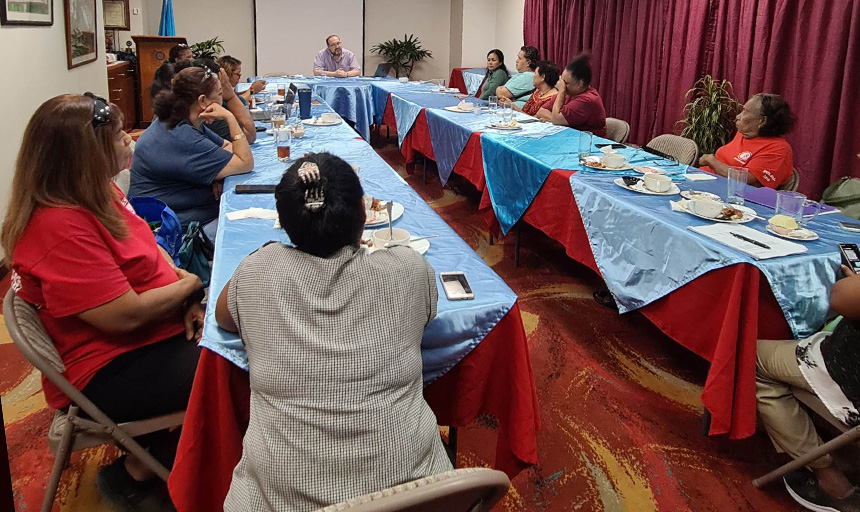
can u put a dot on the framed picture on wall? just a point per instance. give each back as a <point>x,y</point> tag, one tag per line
<point>27,12</point>
<point>116,14</point>
<point>81,47</point>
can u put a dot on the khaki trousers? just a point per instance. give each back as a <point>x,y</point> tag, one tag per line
<point>787,422</point>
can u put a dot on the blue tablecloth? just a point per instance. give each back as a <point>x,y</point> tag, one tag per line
<point>352,98</point>
<point>645,251</point>
<point>473,78</point>
<point>459,325</point>
<point>408,104</point>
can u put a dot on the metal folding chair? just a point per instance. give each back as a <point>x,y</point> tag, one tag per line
<point>460,490</point>
<point>70,431</point>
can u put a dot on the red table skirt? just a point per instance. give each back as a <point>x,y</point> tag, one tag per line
<point>494,378</point>
<point>456,80</point>
<point>719,315</point>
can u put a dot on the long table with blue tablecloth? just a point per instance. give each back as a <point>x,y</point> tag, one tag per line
<point>475,352</point>
<point>717,309</point>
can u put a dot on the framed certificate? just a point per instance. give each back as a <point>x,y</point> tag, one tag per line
<point>116,14</point>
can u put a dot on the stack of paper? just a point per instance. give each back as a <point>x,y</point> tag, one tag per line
<point>700,176</point>
<point>741,238</point>
<point>253,213</point>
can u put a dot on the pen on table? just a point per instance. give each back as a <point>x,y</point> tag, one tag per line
<point>750,240</point>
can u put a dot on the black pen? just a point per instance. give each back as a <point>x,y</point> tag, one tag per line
<point>750,240</point>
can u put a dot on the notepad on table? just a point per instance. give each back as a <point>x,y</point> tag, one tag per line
<point>749,241</point>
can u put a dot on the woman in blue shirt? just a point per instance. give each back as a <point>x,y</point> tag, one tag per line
<point>179,160</point>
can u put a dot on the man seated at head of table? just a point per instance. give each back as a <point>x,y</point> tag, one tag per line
<point>337,405</point>
<point>759,144</point>
<point>123,320</point>
<point>824,364</point>
<point>335,60</point>
<point>179,160</point>
<point>519,86</point>
<point>545,77</point>
<point>233,67</point>
<point>496,75</point>
<point>577,104</point>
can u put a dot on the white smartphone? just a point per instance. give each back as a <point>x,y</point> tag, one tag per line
<point>456,286</point>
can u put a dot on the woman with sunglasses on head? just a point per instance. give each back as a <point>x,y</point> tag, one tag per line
<point>179,160</point>
<point>122,319</point>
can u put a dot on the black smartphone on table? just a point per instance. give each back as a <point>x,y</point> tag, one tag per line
<point>850,256</point>
<point>255,189</point>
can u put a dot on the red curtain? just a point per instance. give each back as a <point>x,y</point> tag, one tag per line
<point>648,53</point>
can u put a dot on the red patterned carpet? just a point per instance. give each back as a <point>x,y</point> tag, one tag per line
<point>619,401</point>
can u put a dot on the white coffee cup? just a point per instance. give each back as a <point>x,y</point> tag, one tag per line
<point>465,106</point>
<point>705,207</point>
<point>399,237</point>
<point>614,160</point>
<point>329,117</point>
<point>657,182</point>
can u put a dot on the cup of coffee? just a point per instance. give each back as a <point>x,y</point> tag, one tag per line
<point>657,182</point>
<point>614,160</point>
<point>705,207</point>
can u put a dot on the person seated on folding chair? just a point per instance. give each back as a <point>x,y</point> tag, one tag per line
<point>120,315</point>
<point>824,364</point>
<point>337,404</point>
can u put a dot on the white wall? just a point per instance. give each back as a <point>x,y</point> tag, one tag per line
<point>138,22</point>
<point>509,29</point>
<point>38,71</point>
<point>479,33</point>
<point>197,20</point>
<point>429,21</point>
<point>294,52</point>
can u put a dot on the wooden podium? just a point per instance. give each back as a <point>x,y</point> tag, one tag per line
<point>152,52</point>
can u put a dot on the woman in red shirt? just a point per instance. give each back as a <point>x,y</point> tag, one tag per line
<point>546,75</point>
<point>759,144</point>
<point>118,312</point>
<point>577,104</point>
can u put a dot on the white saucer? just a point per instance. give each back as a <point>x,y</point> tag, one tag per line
<point>640,187</point>
<point>749,214</point>
<point>501,126</point>
<point>808,234</point>
<point>688,194</point>
<point>419,246</point>
<point>315,121</point>
<point>644,169</point>
<point>455,109</point>
<point>596,159</point>
<point>396,212</point>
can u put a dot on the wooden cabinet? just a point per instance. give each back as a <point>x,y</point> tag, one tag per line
<point>121,92</point>
<point>152,51</point>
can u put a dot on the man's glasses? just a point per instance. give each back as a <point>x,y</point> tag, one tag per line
<point>101,110</point>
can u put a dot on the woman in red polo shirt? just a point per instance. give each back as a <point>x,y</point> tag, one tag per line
<point>759,144</point>
<point>120,315</point>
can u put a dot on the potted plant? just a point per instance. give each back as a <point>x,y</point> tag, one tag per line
<point>709,117</point>
<point>211,48</point>
<point>402,55</point>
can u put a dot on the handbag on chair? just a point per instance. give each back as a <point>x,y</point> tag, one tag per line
<point>196,252</point>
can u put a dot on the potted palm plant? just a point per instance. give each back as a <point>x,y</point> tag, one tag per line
<point>709,117</point>
<point>211,48</point>
<point>402,55</point>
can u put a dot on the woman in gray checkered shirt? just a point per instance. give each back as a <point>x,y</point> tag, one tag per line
<point>333,336</point>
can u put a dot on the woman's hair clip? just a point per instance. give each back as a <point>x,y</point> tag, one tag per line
<point>309,173</point>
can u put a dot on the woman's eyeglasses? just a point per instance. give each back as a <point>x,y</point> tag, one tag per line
<point>101,110</point>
